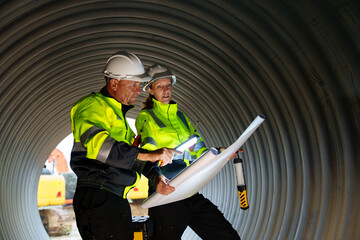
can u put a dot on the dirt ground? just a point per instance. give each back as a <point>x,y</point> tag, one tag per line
<point>136,210</point>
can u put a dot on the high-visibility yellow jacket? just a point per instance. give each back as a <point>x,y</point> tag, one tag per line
<point>102,155</point>
<point>165,126</point>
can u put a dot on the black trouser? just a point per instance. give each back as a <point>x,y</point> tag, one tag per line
<point>102,215</point>
<point>197,212</point>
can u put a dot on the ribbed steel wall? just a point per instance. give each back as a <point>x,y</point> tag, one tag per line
<point>296,62</point>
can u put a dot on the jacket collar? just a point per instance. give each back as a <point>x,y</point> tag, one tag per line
<point>165,108</point>
<point>124,107</point>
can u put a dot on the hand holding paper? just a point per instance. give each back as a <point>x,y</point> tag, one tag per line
<point>201,171</point>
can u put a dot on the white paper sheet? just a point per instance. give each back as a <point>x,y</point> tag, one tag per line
<point>201,171</point>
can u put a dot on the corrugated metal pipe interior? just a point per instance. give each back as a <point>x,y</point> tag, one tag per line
<point>297,63</point>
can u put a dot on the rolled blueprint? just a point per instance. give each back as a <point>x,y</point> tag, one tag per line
<point>201,171</point>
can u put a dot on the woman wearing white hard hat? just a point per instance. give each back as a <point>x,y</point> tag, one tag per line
<point>163,125</point>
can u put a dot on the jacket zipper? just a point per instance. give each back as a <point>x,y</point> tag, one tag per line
<point>168,115</point>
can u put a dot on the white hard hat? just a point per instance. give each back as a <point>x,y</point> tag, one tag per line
<point>158,72</point>
<point>127,66</point>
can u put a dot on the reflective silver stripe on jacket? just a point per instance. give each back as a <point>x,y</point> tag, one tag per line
<point>156,119</point>
<point>91,132</point>
<point>161,124</point>
<point>198,146</point>
<point>183,119</point>
<point>105,149</point>
<point>150,140</point>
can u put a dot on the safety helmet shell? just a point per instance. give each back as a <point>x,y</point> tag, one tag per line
<point>127,66</point>
<point>157,72</point>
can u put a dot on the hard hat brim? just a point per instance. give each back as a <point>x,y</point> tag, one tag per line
<point>138,78</point>
<point>172,78</point>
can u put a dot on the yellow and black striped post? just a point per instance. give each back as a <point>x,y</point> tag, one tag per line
<point>241,185</point>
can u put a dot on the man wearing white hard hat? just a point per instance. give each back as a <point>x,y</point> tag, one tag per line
<point>103,156</point>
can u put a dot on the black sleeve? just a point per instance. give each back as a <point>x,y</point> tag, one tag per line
<point>122,155</point>
<point>151,171</point>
